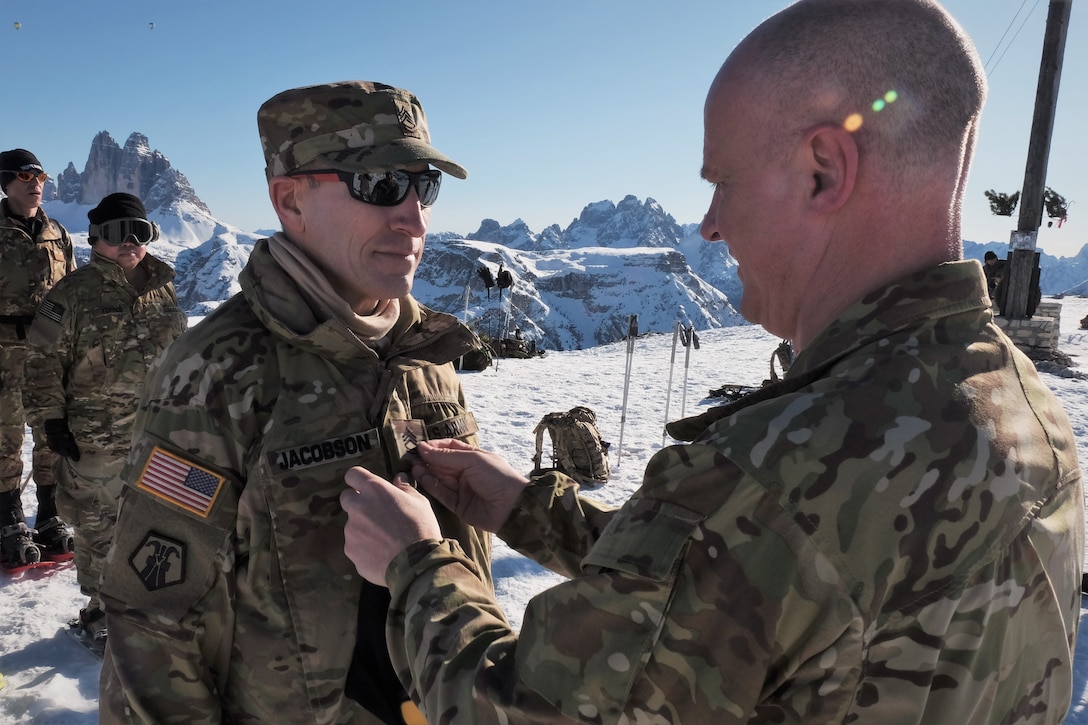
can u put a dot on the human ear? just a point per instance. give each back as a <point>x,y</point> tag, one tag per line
<point>283,191</point>
<point>831,153</point>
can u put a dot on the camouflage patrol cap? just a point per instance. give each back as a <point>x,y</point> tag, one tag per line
<point>349,126</point>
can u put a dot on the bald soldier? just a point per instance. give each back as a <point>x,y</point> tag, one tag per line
<point>227,592</point>
<point>893,533</point>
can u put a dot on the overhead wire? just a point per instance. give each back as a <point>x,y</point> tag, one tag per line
<point>987,67</point>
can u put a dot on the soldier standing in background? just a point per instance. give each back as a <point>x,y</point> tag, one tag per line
<point>892,533</point>
<point>35,252</point>
<point>227,592</point>
<point>90,347</point>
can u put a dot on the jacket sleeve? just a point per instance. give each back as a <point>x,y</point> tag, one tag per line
<point>69,251</point>
<point>168,643</point>
<point>554,526</point>
<point>50,342</point>
<point>662,622</point>
<point>167,585</point>
<point>156,671</point>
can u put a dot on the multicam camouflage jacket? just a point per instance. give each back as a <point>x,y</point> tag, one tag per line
<point>90,347</point>
<point>29,266</point>
<point>891,534</point>
<point>228,593</point>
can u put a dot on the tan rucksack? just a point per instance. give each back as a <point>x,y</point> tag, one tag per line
<point>577,448</point>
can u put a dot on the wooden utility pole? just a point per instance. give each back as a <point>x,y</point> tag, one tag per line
<point>1022,264</point>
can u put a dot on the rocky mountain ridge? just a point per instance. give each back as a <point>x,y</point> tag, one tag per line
<point>571,288</point>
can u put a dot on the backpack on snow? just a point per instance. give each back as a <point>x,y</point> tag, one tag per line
<point>577,448</point>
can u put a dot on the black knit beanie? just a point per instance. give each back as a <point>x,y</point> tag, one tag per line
<point>16,160</point>
<point>117,206</point>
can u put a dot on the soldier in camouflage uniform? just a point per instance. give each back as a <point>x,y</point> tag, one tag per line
<point>90,347</point>
<point>35,252</point>
<point>893,533</point>
<point>227,591</point>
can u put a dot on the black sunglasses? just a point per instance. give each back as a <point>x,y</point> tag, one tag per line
<point>383,188</point>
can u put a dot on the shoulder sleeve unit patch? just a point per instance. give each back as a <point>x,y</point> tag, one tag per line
<point>180,482</point>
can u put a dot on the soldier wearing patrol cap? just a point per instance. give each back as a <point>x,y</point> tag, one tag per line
<point>227,591</point>
<point>90,347</point>
<point>35,252</point>
<point>892,533</point>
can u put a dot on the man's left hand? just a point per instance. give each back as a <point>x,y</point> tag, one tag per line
<point>383,520</point>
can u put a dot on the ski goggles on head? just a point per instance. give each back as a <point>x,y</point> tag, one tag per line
<point>383,188</point>
<point>116,232</point>
<point>27,176</point>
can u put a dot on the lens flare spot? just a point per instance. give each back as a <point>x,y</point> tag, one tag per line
<point>878,105</point>
<point>853,122</point>
<point>891,97</point>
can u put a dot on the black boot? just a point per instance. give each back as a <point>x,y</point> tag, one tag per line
<point>11,507</point>
<point>51,533</point>
<point>47,502</point>
<point>17,547</point>
<point>54,537</point>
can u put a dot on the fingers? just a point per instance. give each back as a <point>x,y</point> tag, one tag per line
<point>441,491</point>
<point>445,444</point>
<point>358,477</point>
<point>384,518</point>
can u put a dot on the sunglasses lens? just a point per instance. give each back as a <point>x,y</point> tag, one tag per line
<point>427,185</point>
<point>389,188</point>
<point>28,176</point>
<point>384,189</point>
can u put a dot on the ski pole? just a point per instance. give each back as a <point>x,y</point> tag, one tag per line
<point>632,333</point>
<point>691,340</point>
<point>464,321</point>
<point>668,388</point>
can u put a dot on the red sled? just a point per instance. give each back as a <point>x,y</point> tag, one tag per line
<point>13,570</point>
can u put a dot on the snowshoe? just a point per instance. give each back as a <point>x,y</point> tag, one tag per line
<point>89,629</point>
<point>17,547</point>
<point>55,539</point>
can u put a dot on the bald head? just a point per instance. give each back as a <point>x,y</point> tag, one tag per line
<point>900,74</point>
<point>839,131</point>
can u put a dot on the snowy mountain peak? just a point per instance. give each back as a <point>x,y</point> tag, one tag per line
<point>631,223</point>
<point>135,169</point>
<point>573,287</point>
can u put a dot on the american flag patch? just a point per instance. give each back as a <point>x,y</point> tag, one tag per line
<point>51,311</point>
<point>180,482</point>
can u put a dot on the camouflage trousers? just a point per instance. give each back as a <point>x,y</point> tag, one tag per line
<point>13,425</point>
<point>87,494</point>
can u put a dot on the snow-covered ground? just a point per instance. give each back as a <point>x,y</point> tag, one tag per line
<point>51,680</point>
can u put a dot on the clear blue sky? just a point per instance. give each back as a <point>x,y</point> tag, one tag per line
<point>550,105</point>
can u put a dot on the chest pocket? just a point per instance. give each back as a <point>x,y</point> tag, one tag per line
<point>157,321</point>
<point>108,335</point>
<point>588,669</point>
<point>45,266</point>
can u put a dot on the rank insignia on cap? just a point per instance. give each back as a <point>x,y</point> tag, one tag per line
<point>180,482</point>
<point>407,118</point>
<point>158,561</point>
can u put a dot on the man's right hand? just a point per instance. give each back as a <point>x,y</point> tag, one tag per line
<point>477,485</point>
<point>60,439</point>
